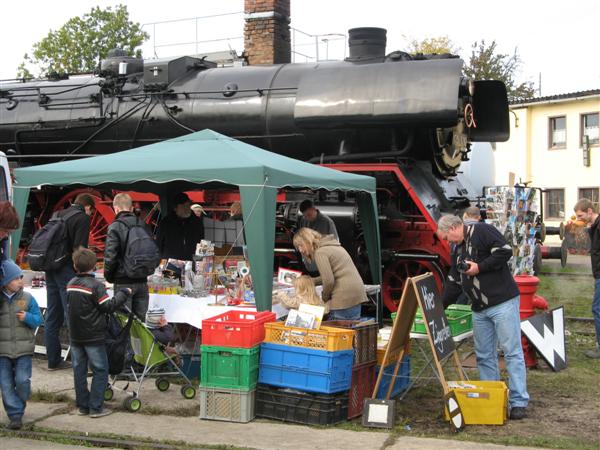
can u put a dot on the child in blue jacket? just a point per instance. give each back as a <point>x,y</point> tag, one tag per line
<point>19,317</point>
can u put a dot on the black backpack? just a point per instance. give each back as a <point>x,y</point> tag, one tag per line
<point>117,343</point>
<point>49,248</point>
<point>141,255</point>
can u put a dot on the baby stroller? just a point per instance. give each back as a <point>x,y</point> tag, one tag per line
<point>149,360</point>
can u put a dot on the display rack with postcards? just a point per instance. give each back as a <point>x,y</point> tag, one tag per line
<point>514,211</point>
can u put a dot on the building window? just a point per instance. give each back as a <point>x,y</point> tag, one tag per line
<point>592,194</point>
<point>589,128</point>
<point>555,204</point>
<point>558,132</point>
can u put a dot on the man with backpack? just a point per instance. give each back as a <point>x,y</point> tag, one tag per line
<point>51,250</point>
<point>130,255</point>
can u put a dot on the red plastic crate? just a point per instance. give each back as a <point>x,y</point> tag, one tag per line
<point>363,383</point>
<point>240,329</point>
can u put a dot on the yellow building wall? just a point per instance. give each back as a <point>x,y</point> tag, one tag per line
<point>528,156</point>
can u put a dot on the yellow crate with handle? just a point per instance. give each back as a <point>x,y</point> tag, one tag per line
<point>481,402</point>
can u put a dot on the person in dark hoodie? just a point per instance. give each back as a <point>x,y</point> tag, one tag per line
<point>77,224</point>
<point>19,317</point>
<point>88,305</point>
<point>179,232</point>
<point>480,270</point>
<point>116,243</point>
<point>343,288</point>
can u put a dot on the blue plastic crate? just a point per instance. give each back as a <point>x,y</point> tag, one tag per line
<point>402,378</point>
<point>190,365</point>
<point>305,369</point>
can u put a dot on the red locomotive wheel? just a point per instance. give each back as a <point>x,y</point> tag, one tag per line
<point>102,216</point>
<point>395,276</point>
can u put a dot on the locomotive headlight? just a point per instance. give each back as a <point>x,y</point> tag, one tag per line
<point>467,87</point>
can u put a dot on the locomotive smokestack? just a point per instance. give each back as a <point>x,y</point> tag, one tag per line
<point>267,31</point>
<point>366,43</point>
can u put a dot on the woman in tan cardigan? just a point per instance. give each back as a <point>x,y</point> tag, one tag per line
<point>343,288</point>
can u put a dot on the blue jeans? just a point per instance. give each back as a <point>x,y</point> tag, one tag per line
<point>495,325</point>
<point>56,311</point>
<point>596,309</point>
<point>95,356</point>
<point>15,382</point>
<point>352,313</point>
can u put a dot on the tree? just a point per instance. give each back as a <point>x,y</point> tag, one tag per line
<point>80,44</point>
<point>486,64</point>
<point>439,45</point>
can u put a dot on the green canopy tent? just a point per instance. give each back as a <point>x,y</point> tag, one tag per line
<point>207,160</point>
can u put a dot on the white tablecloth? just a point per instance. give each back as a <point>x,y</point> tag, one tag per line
<point>178,309</point>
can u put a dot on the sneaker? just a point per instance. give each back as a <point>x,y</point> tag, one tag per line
<point>15,424</point>
<point>81,412</point>
<point>518,413</point>
<point>594,354</point>
<point>61,366</point>
<point>103,412</point>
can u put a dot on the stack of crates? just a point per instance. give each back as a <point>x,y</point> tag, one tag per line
<point>365,360</point>
<point>305,374</point>
<point>229,370</point>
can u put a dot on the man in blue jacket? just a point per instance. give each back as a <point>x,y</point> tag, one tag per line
<point>480,270</point>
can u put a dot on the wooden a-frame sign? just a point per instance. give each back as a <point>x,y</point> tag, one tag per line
<point>420,291</point>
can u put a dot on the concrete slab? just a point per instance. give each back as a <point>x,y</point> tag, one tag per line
<point>415,443</point>
<point>34,412</point>
<point>256,435</point>
<point>10,443</point>
<point>61,382</point>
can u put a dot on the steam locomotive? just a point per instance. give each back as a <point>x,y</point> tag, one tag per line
<point>408,120</point>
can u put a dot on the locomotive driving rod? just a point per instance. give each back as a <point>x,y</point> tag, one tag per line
<point>415,256</point>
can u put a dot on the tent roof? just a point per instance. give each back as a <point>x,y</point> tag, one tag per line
<point>201,157</point>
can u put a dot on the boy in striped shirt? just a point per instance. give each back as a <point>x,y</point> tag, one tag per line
<point>88,304</point>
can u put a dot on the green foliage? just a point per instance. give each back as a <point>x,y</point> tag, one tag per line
<point>439,45</point>
<point>80,44</point>
<point>486,64</point>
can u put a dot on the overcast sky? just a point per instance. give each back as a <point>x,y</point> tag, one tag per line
<point>555,38</point>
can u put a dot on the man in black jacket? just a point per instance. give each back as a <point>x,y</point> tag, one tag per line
<point>77,224</point>
<point>479,269</point>
<point>116,242</point>
<point>179,232</point>
<point>88,305</point>
<point>586,212</point>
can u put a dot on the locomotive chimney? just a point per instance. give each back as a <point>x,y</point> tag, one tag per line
<point>366,43</point>
<point>267,31</point>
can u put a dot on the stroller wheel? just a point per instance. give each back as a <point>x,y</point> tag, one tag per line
<point>188,391</point>
<point>108,394</point>
<point>132,404</point>
<point>162,384</point>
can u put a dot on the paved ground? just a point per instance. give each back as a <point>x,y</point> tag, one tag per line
<point>162,427</point>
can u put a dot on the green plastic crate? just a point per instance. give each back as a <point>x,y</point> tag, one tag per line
<point>459,319</point>
<point>229,367</point>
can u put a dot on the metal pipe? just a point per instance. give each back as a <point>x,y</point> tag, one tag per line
<point>415,256</point>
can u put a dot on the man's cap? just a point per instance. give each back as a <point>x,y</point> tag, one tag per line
<point>180,199</point>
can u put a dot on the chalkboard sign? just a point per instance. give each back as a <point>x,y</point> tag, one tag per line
<point>434,317</point>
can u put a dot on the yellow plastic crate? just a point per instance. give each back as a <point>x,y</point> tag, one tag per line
<point>485,403</point>
<point>326,338</point>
